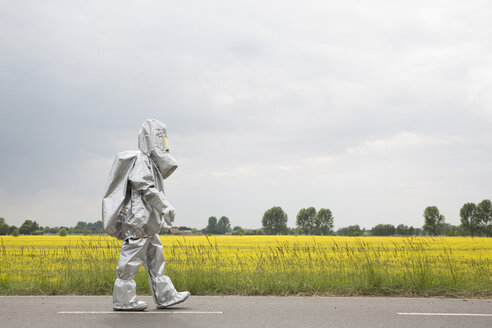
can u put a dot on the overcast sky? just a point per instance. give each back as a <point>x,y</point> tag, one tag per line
<point>373,109</point>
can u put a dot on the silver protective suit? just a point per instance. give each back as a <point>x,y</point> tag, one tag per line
<point>134,209</point>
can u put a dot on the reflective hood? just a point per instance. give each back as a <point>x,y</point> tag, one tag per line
<point>152,141</point>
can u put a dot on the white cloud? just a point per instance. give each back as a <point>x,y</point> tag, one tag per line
<point>401,142</point>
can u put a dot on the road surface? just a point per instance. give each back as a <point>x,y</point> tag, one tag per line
<point>248,311</point>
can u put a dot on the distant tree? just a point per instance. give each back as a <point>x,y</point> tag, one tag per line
<point>323,222</point>
<point>98,225</point>
<point>28,227</point>
<point>306,220</point>
<point>294,231</point>
<point>402,230</point>
<point>411,231</point>
<point>15,233</point>
<point>86,228</point>
<point>484,209</point>
<point>35,226</point>
<point>470,219</point>
<point>237,230</point>
<point>51,229</point>
<point>353,230</point>
<point>81,225</point>
<point>62,232</point>
<point>212,225</point>
<point>433,220</point>
<point>224,225</point>
<point>4,227</point>
<point>93,227</point>
<point>274,221</point>
<point>38,232</point>
<point>12,228</point>
<point>450,230</point>
<point>383,230</point>
<point>164,231</point>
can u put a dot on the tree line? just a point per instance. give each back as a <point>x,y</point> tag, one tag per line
<point>220,227</point>
<point>476,220</point>
<point>31,227</point>
<point>309,221</point>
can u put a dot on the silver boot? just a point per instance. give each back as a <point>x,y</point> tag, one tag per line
<point>179,297</point>
<point>134,306</point>
<point>125,298</point>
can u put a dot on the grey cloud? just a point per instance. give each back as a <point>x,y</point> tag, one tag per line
<point>263,102</point>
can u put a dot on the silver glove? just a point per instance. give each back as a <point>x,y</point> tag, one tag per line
<point>169,215</point>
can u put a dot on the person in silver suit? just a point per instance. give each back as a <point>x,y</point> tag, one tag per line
<point>134,209</point>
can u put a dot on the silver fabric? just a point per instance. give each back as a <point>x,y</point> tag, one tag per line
<point>134,209</point>
<point>180,297</point>
<point>134,203</point>
<point>146,251</point>
<point>151,144</point>
<point>133,306</point>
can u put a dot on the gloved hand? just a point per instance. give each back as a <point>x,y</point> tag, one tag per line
<point>169,215</point>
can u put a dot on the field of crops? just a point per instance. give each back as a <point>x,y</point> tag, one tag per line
<point>257,265</point>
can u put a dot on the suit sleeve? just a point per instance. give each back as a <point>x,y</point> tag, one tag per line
<point>142,180</point>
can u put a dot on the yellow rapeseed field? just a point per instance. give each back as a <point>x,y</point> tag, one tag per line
<point>258,265</point>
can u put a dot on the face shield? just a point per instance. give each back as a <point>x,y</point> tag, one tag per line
<point>152,141</point>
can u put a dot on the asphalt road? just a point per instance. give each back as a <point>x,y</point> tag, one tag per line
<point>238,311</point>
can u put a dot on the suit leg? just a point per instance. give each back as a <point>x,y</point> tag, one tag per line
<point>161,285</point>
<point>132,254</point>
